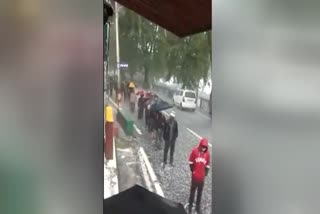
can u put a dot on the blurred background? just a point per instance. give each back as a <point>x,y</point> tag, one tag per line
<point>51,107</point>
<point>266,106</point>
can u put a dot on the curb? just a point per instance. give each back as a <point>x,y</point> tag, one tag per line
<point>137,131</point>
<point>150,178</point>
<point>154,179</point>
<point>111,181</point>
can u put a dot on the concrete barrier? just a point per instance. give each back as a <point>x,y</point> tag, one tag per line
<point>125,122</point>
<point>108,140</point>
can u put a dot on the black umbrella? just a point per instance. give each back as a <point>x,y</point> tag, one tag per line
<point>138,200</point>
<point>160,105</point>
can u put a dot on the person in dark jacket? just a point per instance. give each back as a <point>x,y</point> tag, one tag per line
<point>152,122</point>
<point>170,134</point>
<point>140,106</point>
<point>199,161</point>
<point>147,113</point>
<point>159,126</point>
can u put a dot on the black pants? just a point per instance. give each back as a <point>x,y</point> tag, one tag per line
<point>140,113</point>
<point>150,124</point>
<point>159,137</point>
<point>199,187</point>
<point>169,145</point>
<point>146,116</point>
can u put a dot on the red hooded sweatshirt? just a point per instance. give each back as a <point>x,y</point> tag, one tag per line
<point>199,161</point>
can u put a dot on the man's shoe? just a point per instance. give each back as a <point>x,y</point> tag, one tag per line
<point>198,210</point>
<point>171,164</point>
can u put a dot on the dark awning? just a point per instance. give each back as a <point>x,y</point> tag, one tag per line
<point>181,17</point>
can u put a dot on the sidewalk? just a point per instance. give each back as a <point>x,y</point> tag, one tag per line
<point>111,183</point>
<point>174,181</point>
<point>130,166</point>
<point>111,186</point>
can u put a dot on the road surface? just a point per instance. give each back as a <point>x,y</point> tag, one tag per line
<point>175,181</point>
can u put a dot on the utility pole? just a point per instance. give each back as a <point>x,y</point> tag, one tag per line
<point>117,52</point>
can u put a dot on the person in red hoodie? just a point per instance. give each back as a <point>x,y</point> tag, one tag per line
<point>199,161</point>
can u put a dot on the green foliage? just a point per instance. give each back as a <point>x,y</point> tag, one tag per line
<point>188,59</point>
<point>150,49</point>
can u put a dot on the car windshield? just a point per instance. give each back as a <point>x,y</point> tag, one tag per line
<point>190,95</point>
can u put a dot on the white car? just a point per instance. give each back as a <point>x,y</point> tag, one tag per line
<point>185,99</point>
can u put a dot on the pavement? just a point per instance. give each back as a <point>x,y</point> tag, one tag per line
<point>111,182</point>
<point>130,165</point>
<point>198,122</point>
<point>111,178</point>
<point>173,181</point>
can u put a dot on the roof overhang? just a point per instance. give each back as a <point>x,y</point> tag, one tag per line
<point>181,17</point>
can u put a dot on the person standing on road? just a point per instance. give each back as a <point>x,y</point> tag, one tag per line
<point>199,161</point>
<point>132,100</point>
<point>158,128</point>
<point>128,90</point>
<point>140,106</point>
<point>170,134</point>
<point>147,113</point>
<point>123,91</point>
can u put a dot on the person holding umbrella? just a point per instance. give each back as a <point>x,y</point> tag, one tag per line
<point>199,161</point>
<point>170,134</point>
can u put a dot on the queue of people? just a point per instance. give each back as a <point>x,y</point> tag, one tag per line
<point>167,130</point>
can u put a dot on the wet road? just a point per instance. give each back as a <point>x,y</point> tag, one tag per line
<point>197,121</point>
<point>175,181</point>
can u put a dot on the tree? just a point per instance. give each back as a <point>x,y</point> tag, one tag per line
<point>140,44</point>
<point>148,48</point>
<point>188,59</point>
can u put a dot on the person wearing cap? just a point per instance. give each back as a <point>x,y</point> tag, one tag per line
<point>199,161</point>
<point>170,134</point>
